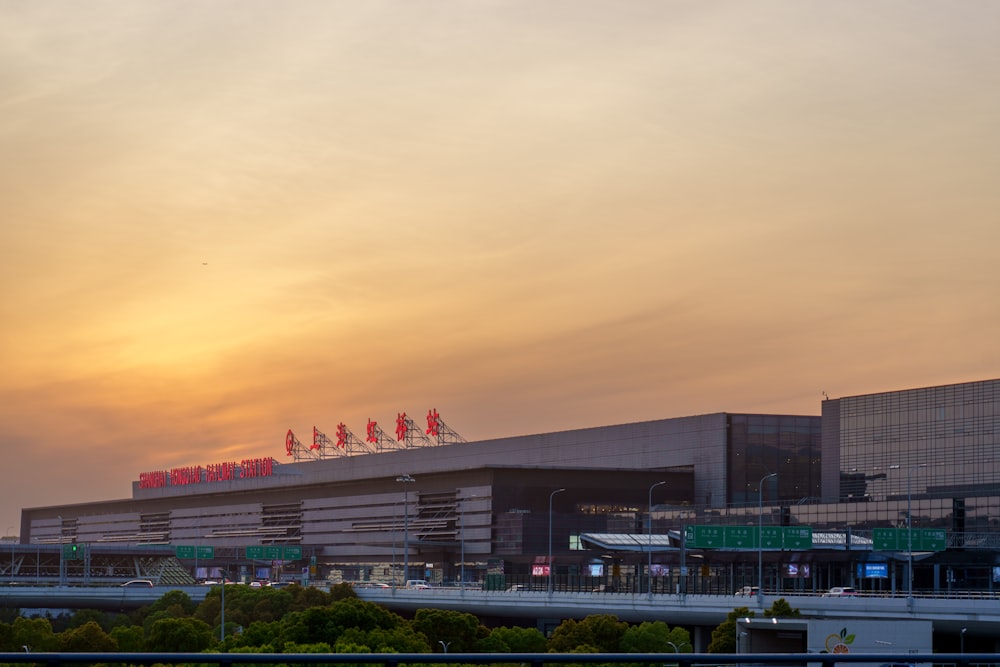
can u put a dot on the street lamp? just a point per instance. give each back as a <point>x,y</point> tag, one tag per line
<point>760,541</point>
<point>909,532</point>
<point>551,569</point>
<point>962,639</point>
<point>649,540</point>
<point>222,614</point>
<point>461,529</point>
<point>461,566</point>
<point>406,479</point>
<point>10,528</point>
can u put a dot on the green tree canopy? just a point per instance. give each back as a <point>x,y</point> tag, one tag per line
<point>326,624</point>
<point>513,640</point>
<point>130,638</point>
<point>87,638</point>
<point>655,637</point>
<point>601,632</point>
<point>179,635</point>
<point>35,633</point>
<point>178,603</point>
<point>401,639</point>
<point>6,637</point>
<point>724,636</point>
<point>459,631</point>
<point>781,609</point>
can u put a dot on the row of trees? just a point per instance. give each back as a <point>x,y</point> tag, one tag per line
<point>309,620</point>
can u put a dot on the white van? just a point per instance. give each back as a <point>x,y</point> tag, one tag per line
<point>417,583</point>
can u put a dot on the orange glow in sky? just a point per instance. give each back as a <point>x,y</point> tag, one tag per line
<point>222,220</point>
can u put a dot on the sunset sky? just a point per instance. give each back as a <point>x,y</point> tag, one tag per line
<point>221,220</point>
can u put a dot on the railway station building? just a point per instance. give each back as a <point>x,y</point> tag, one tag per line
<point>611,507</point>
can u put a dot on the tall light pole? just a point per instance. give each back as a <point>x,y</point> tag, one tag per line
<point>552,570</point>
<point>649,539</point>
<point>461,566</point>
<point>222,613</point>
<point>909,532</point>
<point>760,536</point>
<point>406,479</point>
<point>11,554</point>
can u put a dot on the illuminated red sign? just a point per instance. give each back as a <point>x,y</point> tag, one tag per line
<point>400,426</point>
<point>433,423</point>
<point>214,472</point>
<point>289,442</point>
<point>315,444</point>
<point>372,431</point>
<point>341,435</point>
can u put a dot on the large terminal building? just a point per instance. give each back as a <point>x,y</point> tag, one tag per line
<point>874,485</point>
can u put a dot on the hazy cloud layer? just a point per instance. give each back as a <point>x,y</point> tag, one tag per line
<point>223,220</point>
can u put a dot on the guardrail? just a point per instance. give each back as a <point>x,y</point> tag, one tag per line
<point>533,659</point>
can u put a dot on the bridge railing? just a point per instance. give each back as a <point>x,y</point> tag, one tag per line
<point>524,659</point>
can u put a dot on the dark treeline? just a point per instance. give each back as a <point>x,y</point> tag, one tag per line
<point>310,620</point>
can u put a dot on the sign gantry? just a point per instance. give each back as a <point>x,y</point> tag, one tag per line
<point>295,448</point>
<point>409,435</point>
<point>436,428</point>
<point>376,441</point>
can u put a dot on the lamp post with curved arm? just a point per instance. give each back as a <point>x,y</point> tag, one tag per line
<point>404,480</point>
<point>909,531</point>
<point>760,540</point>
<point>552,570</point>
<point>649,539</point>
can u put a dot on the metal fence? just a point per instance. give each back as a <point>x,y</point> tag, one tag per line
<point>523,659</point>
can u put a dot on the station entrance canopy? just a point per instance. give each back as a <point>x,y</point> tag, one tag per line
<point>637,542</point>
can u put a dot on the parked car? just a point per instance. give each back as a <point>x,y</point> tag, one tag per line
<point>840,592</point>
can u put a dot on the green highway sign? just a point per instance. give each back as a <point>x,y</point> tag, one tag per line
<point>771,537</point>
<point>273,552</point>
<point>708,537</point>
<point>797,538</point>
<point>190,552</point>
<point>884,539</point>
<point>903,539</point>
<point>791,538</point>
<point>741,537</point>
<point>933,539</point>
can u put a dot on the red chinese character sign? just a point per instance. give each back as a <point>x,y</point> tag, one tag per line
<point>408,434</point>
<point>401,426</point>
<point>289,442</point>
<point>316,439</point>
<point>439,430</point>
<point>372,432</point>
<point>433,423</point>
<point>341,435</point>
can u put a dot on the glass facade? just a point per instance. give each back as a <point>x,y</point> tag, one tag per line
<point>937,441</point>
<point>760,445</point>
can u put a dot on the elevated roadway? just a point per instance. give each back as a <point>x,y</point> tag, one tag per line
<point>949,614</point>
<point>104,598</point>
